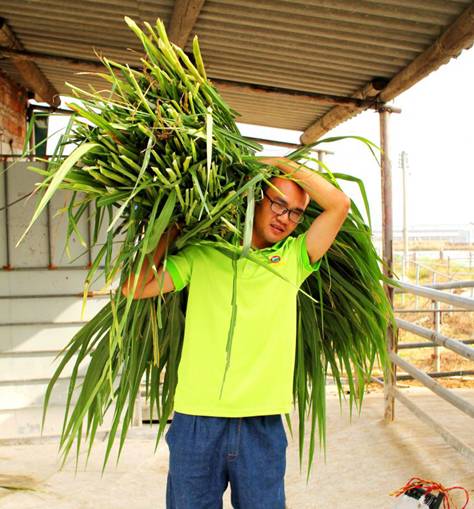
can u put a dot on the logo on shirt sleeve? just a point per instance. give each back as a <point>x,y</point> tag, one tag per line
<point>275,259</point>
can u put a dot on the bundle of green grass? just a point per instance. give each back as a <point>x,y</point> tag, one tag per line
<point>161,148</point>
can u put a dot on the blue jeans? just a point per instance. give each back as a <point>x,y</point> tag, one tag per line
<point>207,453</point>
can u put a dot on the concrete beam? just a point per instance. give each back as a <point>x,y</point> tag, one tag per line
<point>340,113</point>
<point>29,71</point>
<point>184,17</point>
<point>281,94</point>
<point>457,36</point>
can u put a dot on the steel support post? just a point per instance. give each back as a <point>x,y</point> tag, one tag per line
<point>387,255</point>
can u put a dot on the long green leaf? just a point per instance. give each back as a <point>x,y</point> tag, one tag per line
<point>56,181</point>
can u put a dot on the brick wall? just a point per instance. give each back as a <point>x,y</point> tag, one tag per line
<point>13,104</point>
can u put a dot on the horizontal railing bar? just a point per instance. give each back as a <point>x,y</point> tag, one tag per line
<point>436,337</point>
<point>92,294</point>
<point>436,374</point>
<point>28,407</point>
<point>451,285</point>
<point>427,310</point>
<point>49,269</point>
<point>439,273</point>
<point>36,381</point>
<point>447,436</point>
<point>436,262</point>
<point>55,324</point>
<point>29,353</point>
<point>407,346</point>
<point>433,385</point>
<point>437,295</point>
<point>27,157</point>
<point>399,254</point>
<point>377,380</point>
<point>440,374</point>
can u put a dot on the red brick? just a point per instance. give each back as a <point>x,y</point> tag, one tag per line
<point>13,105</point>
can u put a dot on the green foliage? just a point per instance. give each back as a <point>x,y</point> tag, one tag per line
<point>163,148</point>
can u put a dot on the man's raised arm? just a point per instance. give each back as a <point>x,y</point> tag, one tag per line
<point>335,204</point>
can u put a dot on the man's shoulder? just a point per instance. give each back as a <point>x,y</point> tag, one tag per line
<point>205,250</point>
<point>290,243</point>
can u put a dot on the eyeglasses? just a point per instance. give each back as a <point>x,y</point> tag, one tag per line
<point>295,216</point>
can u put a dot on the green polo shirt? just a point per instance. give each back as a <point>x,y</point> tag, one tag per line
<point>259,380</point>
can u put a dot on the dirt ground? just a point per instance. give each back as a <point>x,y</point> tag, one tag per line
<point>366,460</point>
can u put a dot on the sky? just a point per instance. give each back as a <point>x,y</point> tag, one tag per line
<point>435,129</point>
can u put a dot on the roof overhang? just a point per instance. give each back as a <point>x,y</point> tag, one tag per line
<point>307,66</point>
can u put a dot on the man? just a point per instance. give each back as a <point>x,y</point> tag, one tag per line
<point>233,431</point>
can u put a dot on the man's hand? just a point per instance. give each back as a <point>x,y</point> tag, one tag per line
<point>336,204</point>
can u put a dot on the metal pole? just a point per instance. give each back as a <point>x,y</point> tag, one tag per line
<point>409,346</point>
<point>417,281</point>
<point>137,418</point>
<point>49,236</point>
<point>7,265</point>
<point>430,293</point>
<point>451,285</point>
<point>437,327</point>
<point>387,255</point>
<point>460,403</point>
<point>450,343</point>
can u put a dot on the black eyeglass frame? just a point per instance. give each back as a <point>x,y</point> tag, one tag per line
<point>285,210</point>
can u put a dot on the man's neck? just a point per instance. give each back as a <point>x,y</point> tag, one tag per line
<point>259,243</point>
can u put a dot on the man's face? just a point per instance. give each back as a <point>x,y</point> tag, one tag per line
<point>269,227</point>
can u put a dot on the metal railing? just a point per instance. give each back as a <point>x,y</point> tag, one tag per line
<point>440,340</point>
<point>447,274</point>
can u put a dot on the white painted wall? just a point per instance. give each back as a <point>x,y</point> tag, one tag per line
<point>40,309</point>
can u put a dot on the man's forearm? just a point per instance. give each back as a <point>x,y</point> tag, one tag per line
<point>147,272</point>
<point>318,188</point>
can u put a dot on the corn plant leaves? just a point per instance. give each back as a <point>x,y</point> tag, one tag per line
<point>57,180</point>
<point>248,228</point>
<point>160,148</point>
<point>162,222</point>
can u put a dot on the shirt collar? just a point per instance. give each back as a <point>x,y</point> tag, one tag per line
<point>273,247</point>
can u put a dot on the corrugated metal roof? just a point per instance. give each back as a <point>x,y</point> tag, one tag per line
<point>322,46</point>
